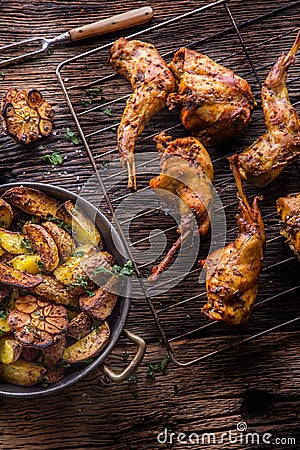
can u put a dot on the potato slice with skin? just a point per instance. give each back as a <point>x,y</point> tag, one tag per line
<point>54,374</point>
<point>62,239</point>
<point>89,346</point>
<point>83,229</point>
<point>30,353</point>
<point>4,291</point>
<point>52,354</point>
<point>36,322</point>
<point>51,289</point>
<point>27,263</point>
<point>44,245</point>
<point>80,326</point>
<point>10,350</point>
<point>31,201</point>
<point>14,277</point>
<point>4,326</point>
<point>100,306</point>
<point>6,214</point>
<point>22,373</point>
<point>14,243</point>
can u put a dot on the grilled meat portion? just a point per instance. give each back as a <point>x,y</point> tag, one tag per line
<point>265,159</point>
<point>288,209</point>
<point>232,272</point>
<point>151,81</point>
<point>188,173</point>
<point>215,103</point>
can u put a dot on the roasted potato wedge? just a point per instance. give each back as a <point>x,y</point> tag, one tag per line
<point>51,289</point>
<point>10,350</point>
<point>80,326</point>
<point>83,229</point>
<point>36,322</point>
<point>44,244</point>
<point>100,305</point>
<point>27,263</point>
<point>22,373</point>
<point>14,277</point>
<point>4,291</point>
<point>31,201</point>
<point>51,355</point>
<point>89,346</point>
<point>62,239</point>
<point>54,374</point>
<point>6,214</point>
<point>14,243</point>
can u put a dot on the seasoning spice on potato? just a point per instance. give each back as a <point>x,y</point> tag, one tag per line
<point>27,263</point>
<point>26,115</point>
<point>89,346</point>
<point>62,239</point>
<point>51,289</point>
<point>31,201</point>
<point>52,354</point>
<point>43,243</point>
<point>14,277</point>
<point>100,305</point>
<point>22,373</point>
<point>14,243</point>
<point>80,326</point>
<point>36,322</point>
<point>10,350</point>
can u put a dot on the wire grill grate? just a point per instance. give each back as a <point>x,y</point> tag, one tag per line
<point>165,309</point>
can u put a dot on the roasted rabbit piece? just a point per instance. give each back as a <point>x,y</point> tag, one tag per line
<point>151,81</point>
<point>187,172</point>
<point>215,103</point>
<point>232,272</point>
<point>264,160</point>
<point>288,209</point>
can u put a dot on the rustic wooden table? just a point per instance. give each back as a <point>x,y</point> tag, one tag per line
<point>257,383</point>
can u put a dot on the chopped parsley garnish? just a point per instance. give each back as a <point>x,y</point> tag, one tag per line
<point>80,282</point>
<point>90,95</point>
<point>59,222</point>
<point>3,314</point>
<point>133,378</point>
<point>71,136</point>
<point>117,271</point>
<point>26,244</point>
<point>90,293</point>
<point>50,51</point>
<point>41,265</point>
<point>96,324</point>
<point>2,75</point>
<point>108,112</point>
<point>54,158</point>
<point>87,361</point>
<point>159,367</point>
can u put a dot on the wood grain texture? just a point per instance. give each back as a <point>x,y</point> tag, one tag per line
<point>258,382</point>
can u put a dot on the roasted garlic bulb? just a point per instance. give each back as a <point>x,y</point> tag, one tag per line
<point>265,159</point>
<point>188,173</point>
<point>215,104</point>
<point>288,209</point>
<point>151,80</point>
<point>232,272</point>
<point>26,116</point>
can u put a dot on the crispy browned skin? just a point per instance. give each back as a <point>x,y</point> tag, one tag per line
<point>232,272</point>
<point>100,306</point>
<point>265,159</point>
<point>14,277</point>
<point>288,209</point>
<point>151,80</point>
<point>31,201</point>
<point>187,172</point>
<point>215,103</point>
<point>44,244</point>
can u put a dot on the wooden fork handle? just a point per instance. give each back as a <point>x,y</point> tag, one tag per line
<point>114,23</point>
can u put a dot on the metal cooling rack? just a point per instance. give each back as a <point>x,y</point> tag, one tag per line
<point>198,327</point>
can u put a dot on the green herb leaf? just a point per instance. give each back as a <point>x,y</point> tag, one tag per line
<point>90,293</point>
<point>54,158</point>
<point>71,136</point>
<point>50,51</point>
<point>125,356</point>
<point>2,75</point>
<point>127,270</point>
<point>96,324</point>
<point>41,265</point>
<point>105,163</point>
<point>59,222</point>
<point>3,314</point>
<point>25,243</point>
<point>87,361</point>
<point>102,269</point>
<point>108,112</point>
<point>133,378</point>
<point>80,282</point>
<point>159,367</point>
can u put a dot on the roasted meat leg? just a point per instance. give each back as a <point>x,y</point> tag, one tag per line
<point>215,104</point>
<point>232,272</point>
<point>288,209</point>
<point>187,172</point>
<point>265,159</point>
<point>151,81</point>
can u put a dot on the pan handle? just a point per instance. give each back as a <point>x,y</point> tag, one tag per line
<point>133,365</point>
<point>119,22</point>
